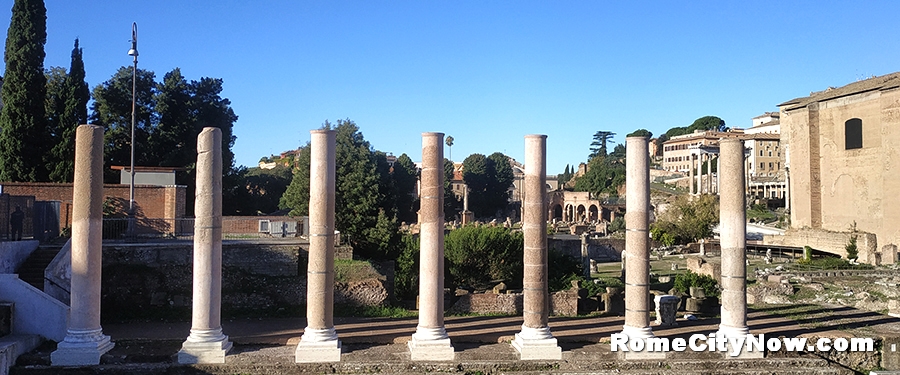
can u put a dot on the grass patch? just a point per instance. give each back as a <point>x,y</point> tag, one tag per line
<point>348,270</point>
<point>373,311</point>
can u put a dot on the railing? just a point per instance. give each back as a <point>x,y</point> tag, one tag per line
<point>183,228</point>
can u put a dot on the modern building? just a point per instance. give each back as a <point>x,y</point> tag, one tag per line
<point>765,161</point>
<point>844,162</point>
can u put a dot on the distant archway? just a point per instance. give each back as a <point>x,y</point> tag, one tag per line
<point>593,213</point>
<point>557,212</point>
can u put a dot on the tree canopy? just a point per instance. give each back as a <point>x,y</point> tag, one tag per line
<point>67,98</point>
<point>598,146</point>
<point>704,123</point>
<point>488,180</point>
<point>169,116</point>
<point>687,220</point>
<point>25,136</point>
<point>366,192</point>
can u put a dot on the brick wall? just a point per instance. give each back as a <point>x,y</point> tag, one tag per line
<point>150,201</point>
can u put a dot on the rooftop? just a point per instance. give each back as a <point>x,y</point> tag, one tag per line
<point>875,83</point>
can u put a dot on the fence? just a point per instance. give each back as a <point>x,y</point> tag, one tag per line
<point>183,228</point>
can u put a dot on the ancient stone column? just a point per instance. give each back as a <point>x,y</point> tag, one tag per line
<point>431,342</point>
<point>319,342</point>
<point>85,341</point>
<point>535,340</point>
<point>733,231</point>
<point>690,174</point>
<point>637,242</point>
<point>206,342</point>
<point>467,216</point>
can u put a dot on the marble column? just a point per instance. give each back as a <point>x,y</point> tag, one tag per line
<point>733,227</point>
<point>468,217</point>
<point>637,242</point>
<point>709,173</point>
<point>535,340</point>
<point>719,172</point>
<point>85,342</point>
<point>319,342</point>
<point>431,342</point>
<point>691,175</point>
<point>206,342</point>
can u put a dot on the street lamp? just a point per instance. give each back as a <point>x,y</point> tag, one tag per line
<point>132,52</point>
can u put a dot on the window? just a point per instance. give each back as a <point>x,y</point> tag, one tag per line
<point>760,152</point>
<point>770,153</point>
<point>762,165</point>
<point>770,165</point>
<point>853,134</point>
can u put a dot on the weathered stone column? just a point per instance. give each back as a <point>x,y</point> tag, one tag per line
<point>319,342</point>
<point>85,341</point>
<point>637,245</point>
<point>690,174</point>
<point>535,340</point>
<point>719,172</point>
<point>206,342</point>
<point>468,217</point>
<point>430,342</point>
<point>733,229</point>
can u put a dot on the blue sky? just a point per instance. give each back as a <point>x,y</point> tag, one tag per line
<point>485,72</point>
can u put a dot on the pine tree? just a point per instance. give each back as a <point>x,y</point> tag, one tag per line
<point>74,112</point>
<point>24,137</point>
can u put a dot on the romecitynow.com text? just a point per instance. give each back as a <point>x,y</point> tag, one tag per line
<point>734,345</point>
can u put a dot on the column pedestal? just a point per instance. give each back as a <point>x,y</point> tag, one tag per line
<point>318,345</point>
<point>204,346</point>
<point>431,344</point>
<point>81,348</point>
<point>537,343</point>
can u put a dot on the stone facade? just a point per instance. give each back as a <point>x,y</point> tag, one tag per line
<point>842,158</point>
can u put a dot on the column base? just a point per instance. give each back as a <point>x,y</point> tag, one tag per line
<point>537,343</point>
<point>639,333</point>
<point>204,346</point>
<point>431,344</point>
<point>81,348</point>
<point>318,345</point>
<point>738,332</point>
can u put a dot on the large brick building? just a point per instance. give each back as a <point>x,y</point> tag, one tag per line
<point>843,161</point>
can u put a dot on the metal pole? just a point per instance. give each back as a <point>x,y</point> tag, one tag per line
<point>133,52</point>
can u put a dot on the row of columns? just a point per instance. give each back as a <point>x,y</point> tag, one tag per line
<point>708,187</point>
<point>732,205</point>
<point>206,343</point>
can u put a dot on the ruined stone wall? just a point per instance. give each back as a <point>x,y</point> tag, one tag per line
<point>563,303</point>
<point>830,241</point>
<point>832,187</point>
<point>254,277</point>
<point>600,249</point>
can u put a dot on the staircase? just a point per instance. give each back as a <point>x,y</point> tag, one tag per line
<point>32,270</point>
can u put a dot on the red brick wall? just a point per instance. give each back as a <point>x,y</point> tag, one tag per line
<point>150,201</point>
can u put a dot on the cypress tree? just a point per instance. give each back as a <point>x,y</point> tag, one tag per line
<point>24,134</point>
<point>76,96</point>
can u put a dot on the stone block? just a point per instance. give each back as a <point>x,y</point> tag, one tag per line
<point>890,353</point>
<point>666,307</point>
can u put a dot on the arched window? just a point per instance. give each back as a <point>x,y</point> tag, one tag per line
<point>853,134</point>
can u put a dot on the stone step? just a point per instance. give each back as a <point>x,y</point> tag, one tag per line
<point>282,366</point>
<point>32,270</point>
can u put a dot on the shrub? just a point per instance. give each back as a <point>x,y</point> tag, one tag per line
<point>562,270</point>
<point>406,271</point>
<point>684,281</point>
<point>476,256</point>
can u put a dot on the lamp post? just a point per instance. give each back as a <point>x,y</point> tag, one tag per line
<point>132,52</point>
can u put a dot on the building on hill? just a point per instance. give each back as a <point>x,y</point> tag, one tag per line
<point>844,163</point>
<point>765,161</point>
